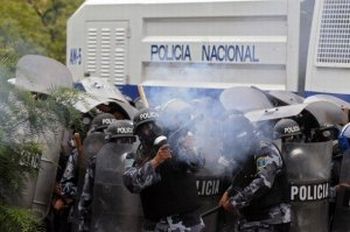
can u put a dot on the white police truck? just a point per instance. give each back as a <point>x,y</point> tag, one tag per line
<point>210,45</point>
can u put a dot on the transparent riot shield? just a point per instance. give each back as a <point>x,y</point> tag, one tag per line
<point>324,112</point>
<point>323,97</point>
<point>309,169</point>
<point>99,91</point>
<point>210,187</point>
<point>327,113</point>
<point>85,102</point>
<point>286,97</point>
<point>244,99</point>
<point>92,144</point>
<point>275,113</point>
<point>42,74</point>
<point>342,213</point>
<point>114,208</point>
<point>98,86</point>
<point>38,189</point>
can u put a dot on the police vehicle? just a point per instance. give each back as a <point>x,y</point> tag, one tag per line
<point>209,45</point>
<point>206,46</point>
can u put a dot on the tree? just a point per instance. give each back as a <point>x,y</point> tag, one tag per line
<point>22,117</point>
<point>27,27</point>
<point>54,15</point>
<point>34,27</point>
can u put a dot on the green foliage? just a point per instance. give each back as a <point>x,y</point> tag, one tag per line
<point>54,15</point>
<point>24,116</point>
<point>14,220</point>
<point>16,160</point>
<point>34,27</point>
<point>29,27</point>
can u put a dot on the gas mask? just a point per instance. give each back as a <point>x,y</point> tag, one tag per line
<point>149,133</point>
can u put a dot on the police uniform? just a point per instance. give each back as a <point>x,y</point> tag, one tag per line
<point>260,192</point>
<point>70,177</point>
<point>98,124</point>
<point>68,192</point>
<point>168,192</point>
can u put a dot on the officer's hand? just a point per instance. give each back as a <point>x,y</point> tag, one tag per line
<point>226,203</point>
<point>58,204</point>
<point>342,186</point>
<point>223,199</point>
<point>229,207</point>
<point>163,154</point>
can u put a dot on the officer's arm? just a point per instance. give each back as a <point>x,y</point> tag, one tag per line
<point>69,179</point>
<point>137,177</point>
<point>268,167</point>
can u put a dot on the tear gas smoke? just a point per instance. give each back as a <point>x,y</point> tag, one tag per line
<point>201,116</point>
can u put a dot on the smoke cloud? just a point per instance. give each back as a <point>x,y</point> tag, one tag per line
<point>202,114</point>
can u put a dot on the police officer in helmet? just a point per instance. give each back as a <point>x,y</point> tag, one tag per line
<point>115,209</point>
<point>93,142</point>
<point>258,195</point>
<point>166,184</point>
<point>120,131</point>
<point>288,130</point>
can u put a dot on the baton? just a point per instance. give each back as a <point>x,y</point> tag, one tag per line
<point>81,155</point>
<point>78,144</point>
<point>143,95</point>
<point>210,211</point>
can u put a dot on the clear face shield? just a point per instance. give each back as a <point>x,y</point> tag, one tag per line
<point>126,140</point>
<point>295,138</point>
<point>148,132</point>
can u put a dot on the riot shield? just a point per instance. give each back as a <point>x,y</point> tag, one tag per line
<point>244,99</point>
<point>87,101</point>
<point>102,91</point>
<point>114,208</point>
<point>41,74</point>
<point>322,97</point>
<point>286,97</point>
<point>308,169</point>
<point>324,112</point>
<point>342,213</point>
<point>98,86</point>
<point>275,113</point>
<point>210,187</point>
<point>38,189</point>
<point>92,144</point>
<point>327,113</point>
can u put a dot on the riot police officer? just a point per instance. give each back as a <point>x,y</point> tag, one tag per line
<point>259,192</point>
<point>70,176</point>
<point>113,208</point>
<point>72,181</point>
<point>68,181</point>
<point>162,172</point>
<point>288,130</point>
